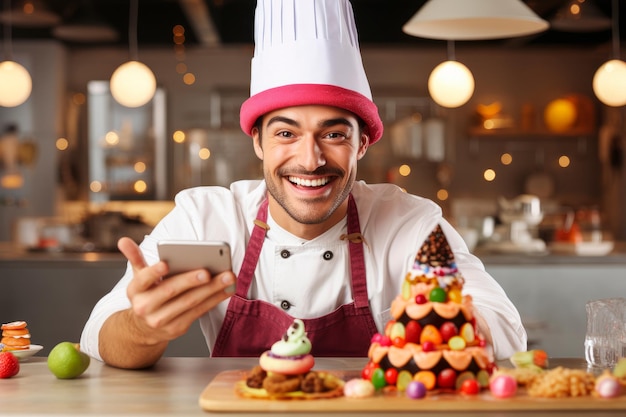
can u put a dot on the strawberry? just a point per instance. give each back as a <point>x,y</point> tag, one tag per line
<point>9,365</point>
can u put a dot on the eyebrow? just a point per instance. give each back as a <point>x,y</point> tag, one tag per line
<point>323,123</point>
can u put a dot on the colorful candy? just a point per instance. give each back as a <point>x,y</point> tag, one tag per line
<point>503,386</point>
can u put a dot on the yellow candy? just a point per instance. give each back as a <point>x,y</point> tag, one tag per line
<point>455,295</point>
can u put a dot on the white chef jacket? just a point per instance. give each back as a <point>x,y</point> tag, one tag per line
<point>393,223</point>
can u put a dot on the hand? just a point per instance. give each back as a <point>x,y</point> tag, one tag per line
<point>165,309</point>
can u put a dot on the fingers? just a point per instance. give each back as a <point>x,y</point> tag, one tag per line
<point>131,251</point>
<point>176,302</point>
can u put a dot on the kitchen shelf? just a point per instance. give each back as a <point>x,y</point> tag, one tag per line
<point>510,133</point>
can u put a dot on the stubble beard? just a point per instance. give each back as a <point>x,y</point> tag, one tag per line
<point>308,216</point>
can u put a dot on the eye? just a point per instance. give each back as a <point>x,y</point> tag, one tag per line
<point>336,135</point>
<point>284,134</point>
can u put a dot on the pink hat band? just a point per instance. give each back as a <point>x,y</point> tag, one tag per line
<point>311,94</point>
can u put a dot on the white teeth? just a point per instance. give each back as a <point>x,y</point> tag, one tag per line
<point>309,183</point>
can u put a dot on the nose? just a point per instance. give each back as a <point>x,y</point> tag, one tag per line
<point>310,155</point>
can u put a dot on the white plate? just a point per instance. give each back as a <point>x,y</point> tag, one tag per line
<point>583,248</point>
<point>27,353</point>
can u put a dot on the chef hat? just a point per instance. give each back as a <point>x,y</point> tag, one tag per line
<point>307,52</point>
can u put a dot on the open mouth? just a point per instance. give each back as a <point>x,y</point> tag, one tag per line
<point>312,183</point>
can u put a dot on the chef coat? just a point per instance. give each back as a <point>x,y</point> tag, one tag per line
<point>307,284</point>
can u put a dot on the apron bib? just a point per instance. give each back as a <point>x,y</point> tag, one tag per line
<point>250,327</point>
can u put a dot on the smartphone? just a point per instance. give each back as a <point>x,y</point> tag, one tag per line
<point>184,255</point>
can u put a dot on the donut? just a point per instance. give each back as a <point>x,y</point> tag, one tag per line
<point>14,325</point>
<point>292,365</point>
<point>15,332</point>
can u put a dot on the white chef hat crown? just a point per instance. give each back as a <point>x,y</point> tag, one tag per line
<point>307,52</point>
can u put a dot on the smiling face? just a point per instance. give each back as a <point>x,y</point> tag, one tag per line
<point>310,156</point>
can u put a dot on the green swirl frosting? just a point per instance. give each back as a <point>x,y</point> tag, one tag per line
<point>294,342</point>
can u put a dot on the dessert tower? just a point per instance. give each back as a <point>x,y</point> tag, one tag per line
<point>432,336</point>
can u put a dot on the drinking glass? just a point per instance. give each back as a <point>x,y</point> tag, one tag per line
<point>605,340</point>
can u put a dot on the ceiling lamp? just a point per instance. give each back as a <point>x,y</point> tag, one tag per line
<point>609,81</point>
<point>15,81</point>
<point>133,84</point>
<point>580,16</point>
<point>451,84</point>
<point>30,14</point>
<point>474,20</point>
<point>85,26</point>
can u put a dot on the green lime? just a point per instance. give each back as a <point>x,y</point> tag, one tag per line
<point>66,361</point>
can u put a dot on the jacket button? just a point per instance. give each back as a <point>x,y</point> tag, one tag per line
<point>285,305</point>
<point>285,253</point>
<point>328,255</point>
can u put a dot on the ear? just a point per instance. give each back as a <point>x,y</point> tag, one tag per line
<point>256,142</point>
<point>365,142</point>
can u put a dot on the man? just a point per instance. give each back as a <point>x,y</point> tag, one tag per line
<point>309,241</point>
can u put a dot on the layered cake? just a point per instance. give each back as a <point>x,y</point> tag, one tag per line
<point>15,336</point>
<point>285,371</point>
<point>432,336</point>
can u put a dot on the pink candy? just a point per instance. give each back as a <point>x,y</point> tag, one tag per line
<point>503,386</point>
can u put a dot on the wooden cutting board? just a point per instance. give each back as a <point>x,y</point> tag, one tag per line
<point>219,396</point>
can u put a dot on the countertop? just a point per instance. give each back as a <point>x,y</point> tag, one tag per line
<point>174,387</point>
<point>9,253</point>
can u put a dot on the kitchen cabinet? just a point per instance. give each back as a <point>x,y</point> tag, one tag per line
<point>550,293</point>
<point>55,293</point>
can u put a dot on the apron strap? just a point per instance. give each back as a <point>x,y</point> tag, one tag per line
<point>253,251</point>
<point>357,257</point>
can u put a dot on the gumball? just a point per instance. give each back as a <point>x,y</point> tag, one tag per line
<point>398,342</point>
<point>447,378</point>
<point>428,346</point>
<point>385,341</point>
<point>376,338</point>
<point>607,386</point>
<point>416,390</point>
<point>470,387</point>
<point>367,372</point>
<point>503,386</point>
<point>420,299</point>
<point>437,295</point>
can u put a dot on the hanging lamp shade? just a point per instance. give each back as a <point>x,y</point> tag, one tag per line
<point>30,14</point>
<point>15,84</point>
<point>474,20</point>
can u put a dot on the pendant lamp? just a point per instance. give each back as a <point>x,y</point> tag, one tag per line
<point>15,81</point>
<point>474,20</point>
<point>609,81</point>
<point>451,84</point>
<point>133,84</point>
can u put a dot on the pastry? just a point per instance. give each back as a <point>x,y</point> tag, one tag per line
<point>432,336</point>
<point>285,371</point>
<point>15,336</point>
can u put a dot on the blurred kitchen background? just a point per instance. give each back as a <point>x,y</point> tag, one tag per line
<point>532,165</point>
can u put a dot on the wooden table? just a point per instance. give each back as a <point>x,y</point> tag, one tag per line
<point>172,387</point>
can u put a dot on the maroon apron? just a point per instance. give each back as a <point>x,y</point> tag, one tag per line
<point>250,327</point>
